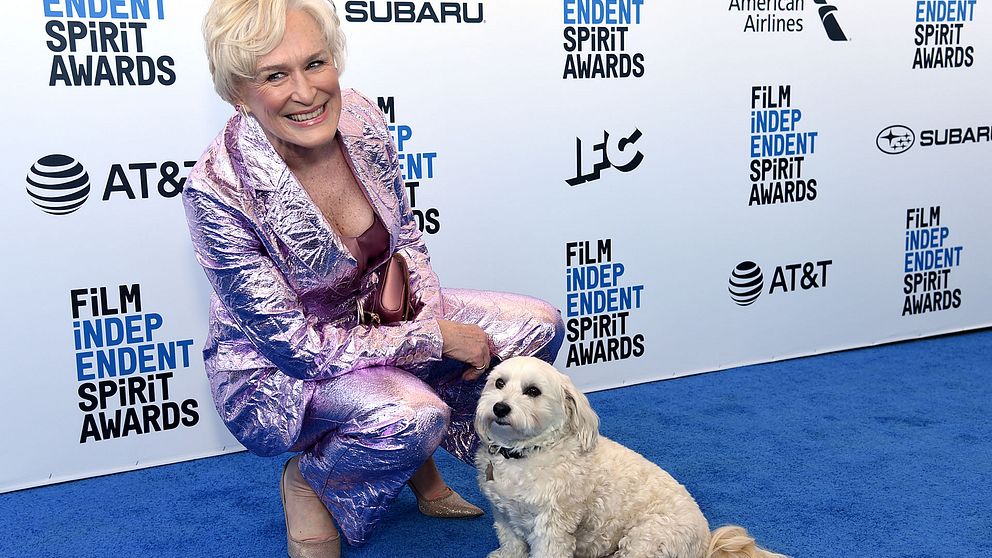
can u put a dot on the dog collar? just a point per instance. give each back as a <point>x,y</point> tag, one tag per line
<point>507,452</point>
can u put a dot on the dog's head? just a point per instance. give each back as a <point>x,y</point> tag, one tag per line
<point>527,402</point>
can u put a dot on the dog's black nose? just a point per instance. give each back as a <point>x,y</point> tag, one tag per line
<point>501,409</point>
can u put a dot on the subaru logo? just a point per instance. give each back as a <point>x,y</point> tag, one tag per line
<point>895,140</point>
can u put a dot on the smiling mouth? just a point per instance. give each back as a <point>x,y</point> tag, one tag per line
<point>303,117</point>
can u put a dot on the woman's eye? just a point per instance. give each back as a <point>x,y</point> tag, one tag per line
<point>532,391</point>
<point>315,64</point>
<point>274,76</point>
<point>500,382</point>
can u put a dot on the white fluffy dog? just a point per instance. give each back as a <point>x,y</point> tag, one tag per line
<point>559,489</point>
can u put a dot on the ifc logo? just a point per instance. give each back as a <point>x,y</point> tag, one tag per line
<point>895,140</point>
<point>746,283</point>
<point>58,184</point>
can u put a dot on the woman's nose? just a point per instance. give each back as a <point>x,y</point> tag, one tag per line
<point>303,90</point>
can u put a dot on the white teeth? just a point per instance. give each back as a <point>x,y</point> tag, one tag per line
<point>307,116</point>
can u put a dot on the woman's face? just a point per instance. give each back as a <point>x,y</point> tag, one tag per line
<point>295,93</point>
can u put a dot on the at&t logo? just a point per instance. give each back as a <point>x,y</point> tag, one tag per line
<point>747,282</point>
<point>58,184</point>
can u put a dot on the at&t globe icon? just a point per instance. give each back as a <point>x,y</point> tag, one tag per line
<point>746,283</point>
<point>58,184</point>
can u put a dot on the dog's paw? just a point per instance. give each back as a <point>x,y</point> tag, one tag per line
<point>504,552</point>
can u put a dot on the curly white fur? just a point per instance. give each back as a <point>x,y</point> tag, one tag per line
<point>574,492</point>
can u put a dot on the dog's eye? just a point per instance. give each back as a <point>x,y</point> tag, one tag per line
<point>532,391</point>
<point>500,382</point>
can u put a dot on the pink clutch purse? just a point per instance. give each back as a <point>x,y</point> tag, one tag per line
<point>391,300</point>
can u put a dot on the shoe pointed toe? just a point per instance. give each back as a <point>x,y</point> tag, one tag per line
<point>449,506</point>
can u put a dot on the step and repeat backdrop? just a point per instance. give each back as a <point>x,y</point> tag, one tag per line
<point>696,185</point>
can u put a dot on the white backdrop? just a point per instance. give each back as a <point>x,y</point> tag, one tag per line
<point>492,108</point>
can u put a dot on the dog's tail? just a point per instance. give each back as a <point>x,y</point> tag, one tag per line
<point>732,541</point>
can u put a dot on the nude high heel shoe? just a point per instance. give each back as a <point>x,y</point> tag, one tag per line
<point>449,506</point>
<point>303,495</point>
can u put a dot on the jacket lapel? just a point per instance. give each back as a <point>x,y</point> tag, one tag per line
<point>295,232</point>
<point>357,152</point>
<point>368,152</point>
<point>293,227</point>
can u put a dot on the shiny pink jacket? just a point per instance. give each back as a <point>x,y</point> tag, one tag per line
<point>284,309</point>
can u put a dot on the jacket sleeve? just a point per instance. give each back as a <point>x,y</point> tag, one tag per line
<point>268,311</point>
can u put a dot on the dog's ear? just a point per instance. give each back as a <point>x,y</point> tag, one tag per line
<point>480,427</point>
<point>581,418</point>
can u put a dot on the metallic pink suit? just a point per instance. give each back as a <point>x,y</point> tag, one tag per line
<point>290,367</point>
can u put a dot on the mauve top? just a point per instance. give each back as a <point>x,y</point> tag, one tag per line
<point>370,246</point>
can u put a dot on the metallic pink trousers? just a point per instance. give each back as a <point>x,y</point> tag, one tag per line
<point>366,432</point>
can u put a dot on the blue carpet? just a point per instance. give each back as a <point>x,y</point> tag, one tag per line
<point>880,452</point>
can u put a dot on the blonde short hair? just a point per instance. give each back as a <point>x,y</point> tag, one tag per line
<point>238,32</point>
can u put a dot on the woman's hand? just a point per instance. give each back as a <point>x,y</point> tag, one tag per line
<point>467,343</point>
